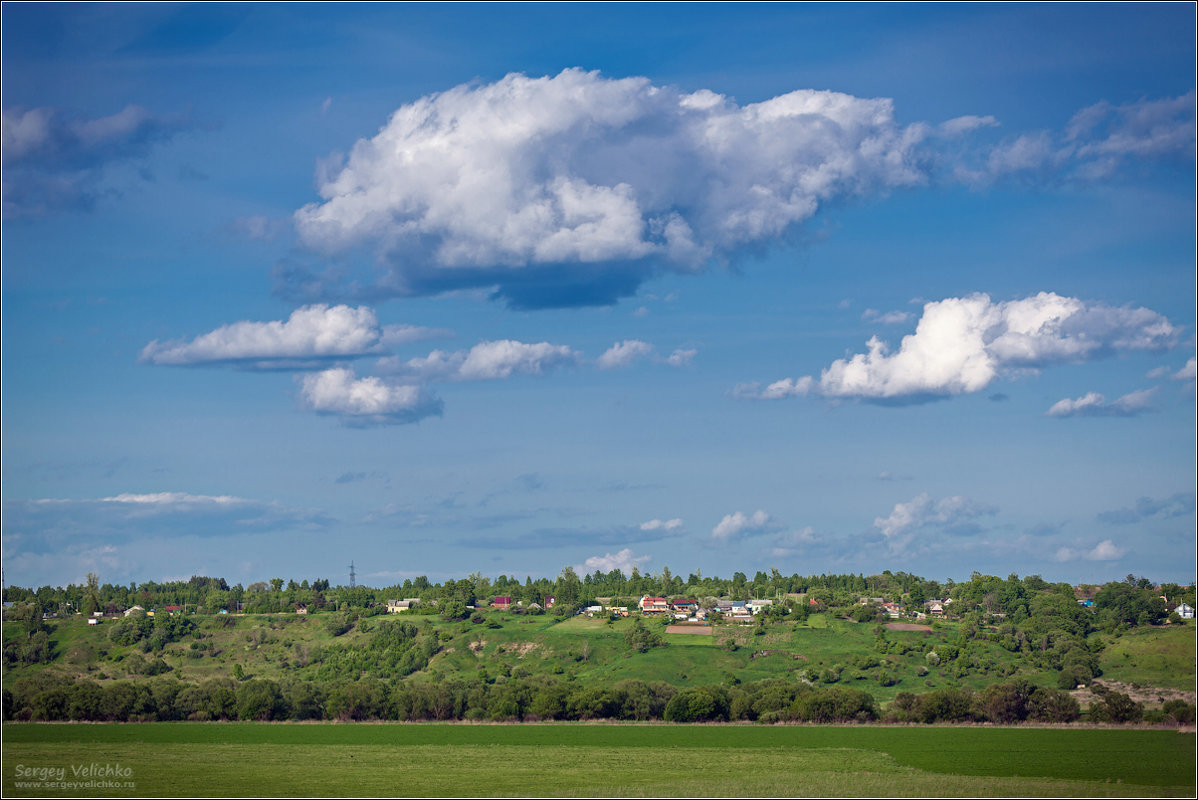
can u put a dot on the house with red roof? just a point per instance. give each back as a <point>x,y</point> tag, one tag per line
<point>653,605</point>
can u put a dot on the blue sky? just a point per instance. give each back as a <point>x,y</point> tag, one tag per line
<point>452,288</point>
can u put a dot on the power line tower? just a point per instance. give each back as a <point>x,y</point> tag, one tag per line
<point>351,575</point>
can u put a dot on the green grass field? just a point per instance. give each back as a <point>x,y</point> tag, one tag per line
<point>1152,657</point>
<point>234,759</point>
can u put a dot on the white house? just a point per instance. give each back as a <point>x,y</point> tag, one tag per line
<point>758,605</point>
<point>1185,611</point>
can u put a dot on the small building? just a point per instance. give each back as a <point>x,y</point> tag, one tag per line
<point>759,605</point>
<point>93,620</point>
<point>653,605</point>
<point>502,603</point>
<point>1185,611</point>
<point>935,609</point>
<point>300,608</point>
<point>550,600</point>
<point>684,604</point>
<point>173,609</point>
<point>399,606</point>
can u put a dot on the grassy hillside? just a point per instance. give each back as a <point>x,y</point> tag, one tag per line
<point>587,650</point>
<point>1158,657</point>
<point>591,651</point>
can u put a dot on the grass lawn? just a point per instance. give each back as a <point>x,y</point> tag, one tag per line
<point>234,759</point>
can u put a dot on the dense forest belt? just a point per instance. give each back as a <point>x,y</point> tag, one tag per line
<point>1002,761</point>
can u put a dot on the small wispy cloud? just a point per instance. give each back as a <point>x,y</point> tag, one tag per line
<point>1145,508</point>
<point>1094,404</point>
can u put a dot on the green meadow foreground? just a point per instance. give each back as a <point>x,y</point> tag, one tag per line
<point>285,759</point>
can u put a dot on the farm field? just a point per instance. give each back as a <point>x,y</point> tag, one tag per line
<point>233,759</point>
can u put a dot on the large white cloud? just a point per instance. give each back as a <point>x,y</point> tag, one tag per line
<point>489,184</point>
<point>962,344</point>
<point>366,401</point>
<point>572,189</point>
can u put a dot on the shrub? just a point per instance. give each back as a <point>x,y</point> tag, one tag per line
<point>1052,705</point>
<point>1116,707</point>
<point>1179,711</point>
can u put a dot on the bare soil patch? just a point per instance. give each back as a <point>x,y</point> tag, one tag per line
<point>522,649</point>
<point>702,630</point>
<point>907,626</point>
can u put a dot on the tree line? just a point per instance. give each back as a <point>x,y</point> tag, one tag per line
<point>45,696</point>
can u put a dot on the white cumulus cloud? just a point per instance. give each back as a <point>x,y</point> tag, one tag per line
<point>954,513</point>
<point>738,522</point>
<point>316,331</point>
<point>621,354</point>
<point>1106,550</point>
<point>961,345</point>
<point>544,177</point>
<point>624,561</point>
<point>366,401</point>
